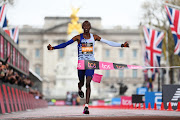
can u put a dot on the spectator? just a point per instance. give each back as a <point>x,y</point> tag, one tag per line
<point>0,65</point>
<point>11,76</point>
<point>3,73</point>
<point>77,100</point>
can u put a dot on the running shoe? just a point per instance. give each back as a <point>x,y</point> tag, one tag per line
<point>81,94</point>
<point>86,110</point>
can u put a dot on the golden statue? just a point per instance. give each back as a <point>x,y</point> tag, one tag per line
<point>74,22</point>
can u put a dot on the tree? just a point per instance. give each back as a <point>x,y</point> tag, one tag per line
<point>154,15</point>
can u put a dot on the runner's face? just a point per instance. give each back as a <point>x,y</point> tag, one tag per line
<point>86,27</point>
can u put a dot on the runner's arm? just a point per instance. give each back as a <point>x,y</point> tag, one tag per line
<point>63,45</point>
<point>111,43</point>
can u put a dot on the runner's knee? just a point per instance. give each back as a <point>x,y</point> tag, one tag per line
<point>88,85</point>
<point>81,83</point>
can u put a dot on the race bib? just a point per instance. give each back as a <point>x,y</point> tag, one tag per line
<point>87,48</point>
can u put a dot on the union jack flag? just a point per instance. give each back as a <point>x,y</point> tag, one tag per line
<point>3,20</point>
<point>14,34</point>
<point>153,47</point>
<point>174,18</point>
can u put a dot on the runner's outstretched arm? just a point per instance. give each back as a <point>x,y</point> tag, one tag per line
<point>63,45</point>
<point>111,43</point>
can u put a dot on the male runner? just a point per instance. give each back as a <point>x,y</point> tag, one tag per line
<point>86,42</point>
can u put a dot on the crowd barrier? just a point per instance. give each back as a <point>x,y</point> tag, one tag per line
<point>137,106</point>
<point>14,99</point>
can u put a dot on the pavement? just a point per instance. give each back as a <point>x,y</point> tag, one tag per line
<point>76,113</point>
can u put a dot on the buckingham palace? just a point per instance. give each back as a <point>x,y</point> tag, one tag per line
<point>58,68</point>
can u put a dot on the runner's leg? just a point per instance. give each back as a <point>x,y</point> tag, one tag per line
<point>81,75</point>
<point>88,88</point>
<point>89,75</point>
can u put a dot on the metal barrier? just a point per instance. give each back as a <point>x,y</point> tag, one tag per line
<point>14,99</point>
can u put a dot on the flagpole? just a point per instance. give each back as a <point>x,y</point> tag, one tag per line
<point>143,53</point>
<point>167,59</point>
<point>177,7</point>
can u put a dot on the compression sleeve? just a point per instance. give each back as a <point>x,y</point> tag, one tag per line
<point>63,45</point>
<point>114,44</point>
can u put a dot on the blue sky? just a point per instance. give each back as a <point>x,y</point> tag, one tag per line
<point>113,12</point>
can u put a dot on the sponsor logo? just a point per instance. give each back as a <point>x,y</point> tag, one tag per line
<point>106,66</point>
<point>126,102</point>
<point>91,65</point>
<point>176,96</point>
<point>87,44</point>
<point>158,98</point>
<point>173,104</point>
<point>119,66</point>
<point>87,49</point>
<point>83,40</point>
<point>141,90</point>
<point>171,93</point>
<point>79,65</point>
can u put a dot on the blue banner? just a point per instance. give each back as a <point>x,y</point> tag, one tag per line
<point>153,97</point>
<point>141,90</point>
<point>116,101</point>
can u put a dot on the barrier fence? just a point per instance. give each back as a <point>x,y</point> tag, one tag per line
<point>15,99</point>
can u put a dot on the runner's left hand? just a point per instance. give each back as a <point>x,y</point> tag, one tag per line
<point>126,44</point>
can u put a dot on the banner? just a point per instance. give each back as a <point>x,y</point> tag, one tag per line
<point>14,56</point>
<point>2,47</point>
<point>126,100</point>
<point>28,67</point>
<point>137,98</point>
<point>171,93</point>
<point>153,97</point>
<point>116,101</point>
<point>22,62</point>
<point>88,64</point>
<point>25,61</point>
<point>100,102</point>
<point>18,60</point>
<point>9,51</point>
<point>60,103</point>
<point>141,90</point>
